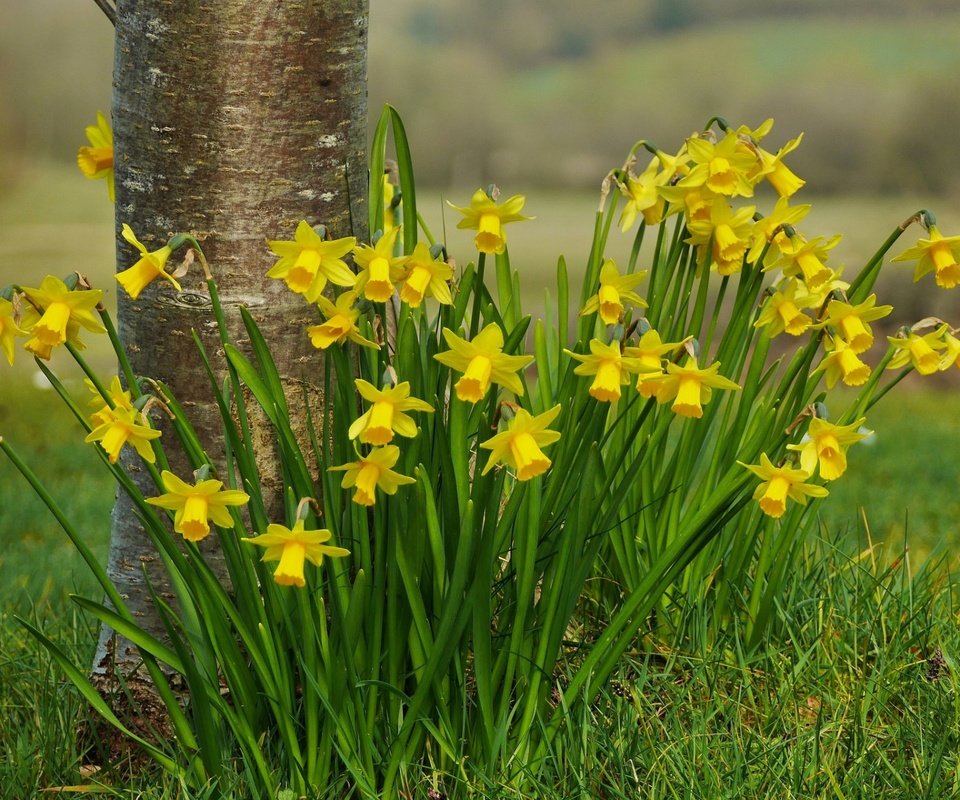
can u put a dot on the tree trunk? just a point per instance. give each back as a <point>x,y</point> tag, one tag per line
<point>233,120</point>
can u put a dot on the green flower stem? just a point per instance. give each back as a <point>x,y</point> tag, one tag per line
<point>862,285</point>
<point>128,374</point>
<point>478,292</point>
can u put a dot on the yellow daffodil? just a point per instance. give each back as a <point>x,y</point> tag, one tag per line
<point>341,323</point>
<point>724,168</point>
<point>294,546</point>
<point>487,218</point>
<point>150,266</point>
<point>119,397</point>
<point>921,351</point>
<point>373,471</point>
<point>951,351</point>
<point>781,313</point>
<point>938,254</point>
<point>769,229</point>
<point>610,367</point>
<point>771,167</point>
<point>841,363</point>
<point>308,262</point>
<point>386,414</point>
<point>426,276</point>
<point>650,351</point>
<point>642,193</point>
<point>519,445</point>
<point>120,426</point>
<point>729,234</point>
<point>800,257</point>
<point>55,315</point>
<point>9,329</point>
<point>197,505</point>
<point>815,298</point>
<point>779,485</point>
<point>379,268</point>
<point>690,386</point>
<point>826,445</point>
<point>615,289</point>
<point>850,321</point>
<point>391,199</point>
<point>482,362</point>
<point>96,160</point>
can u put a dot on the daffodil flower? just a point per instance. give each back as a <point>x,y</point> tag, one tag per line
<point>9,329</point>
<point>642,193</point>
<point>781,313</point>
<point>728,233</point>
<point>391,199</point>
<point>487,218</point>
<point>371,472</point>
<point>120,398</point>
<point>921,351</point>
<point>57,314</point>
<point>938,254</point>
<point>197,505</point>
<point>379,268</point>
<point>482,362</point>
<point>122,426</point>
<point>784,181</point>
<point>96,160</point>
<point>724,168</point>
<point>841,363</point>
<point>426,276</point>
<point>951,351</point>
<point>149,267</point>
<point>308,262</point>
<point>519,445</point>
<point>294,546</point>
<point>611,368</point>
<point>615,289</point>
<point>386,414</point>
<point>650,351</point>
<point>826,445</point>
<point>341,323</point>
<point>690,387</point>
<point>780,484</point>
<point>799,257</point>
<point>850,321</point>
<point>769,229</point>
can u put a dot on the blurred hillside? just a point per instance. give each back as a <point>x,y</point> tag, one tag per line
<point>538,92</point>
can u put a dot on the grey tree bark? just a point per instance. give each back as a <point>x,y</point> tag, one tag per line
<point>233,120</point>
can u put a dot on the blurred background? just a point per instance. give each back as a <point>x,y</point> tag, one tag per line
<point>544,97</point>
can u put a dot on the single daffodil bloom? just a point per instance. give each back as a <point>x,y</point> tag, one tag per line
<point>386,414</point>
<point>487,218</point>
<point>96,160</point>
<point>482,362</point>
<point>292,547</point>
<point>197,505</point>
<point>341,323</point>
<point>939,254</point>
<point>55,315</point>
<point>615,290</point>
<point>519,446</point>
<point>690,387</point>
<point>780,484</point>
<point>379,268</point>
<point>150,266</point>
<point>371,472</point>
<point>308,262</point>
